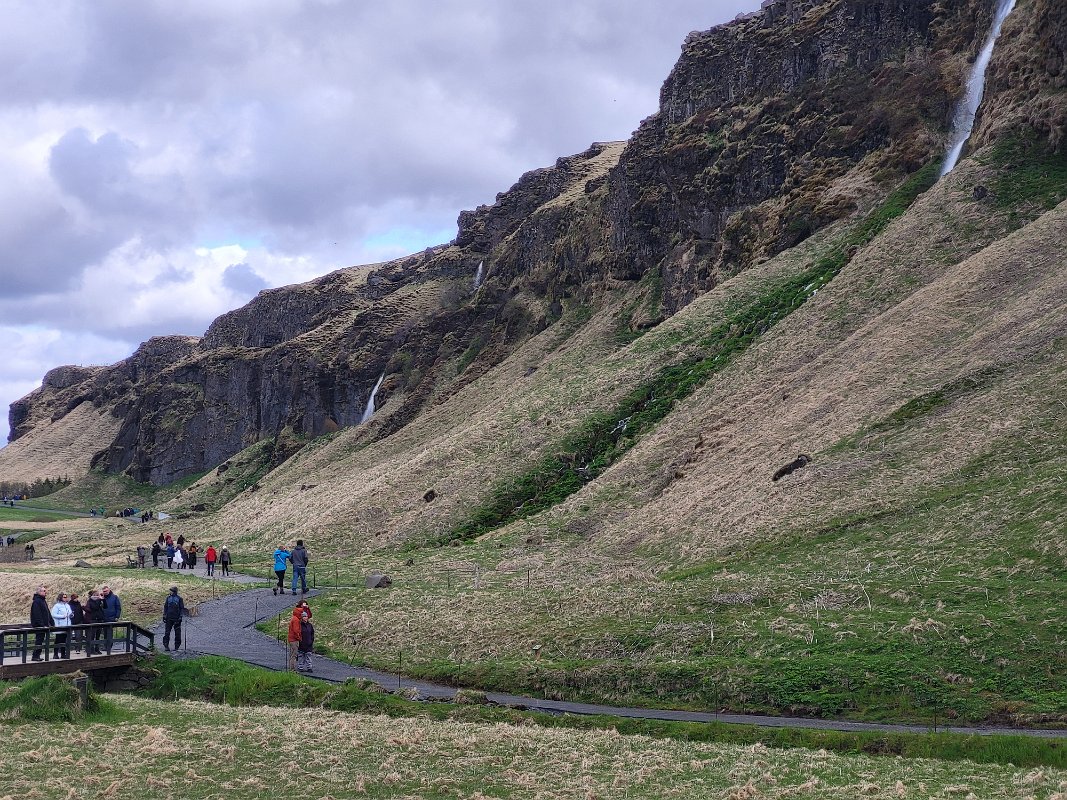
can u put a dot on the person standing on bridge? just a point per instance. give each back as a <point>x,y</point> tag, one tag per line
<point>40,617</point>
<point>112,612</point>
<point>61,617</point>
<point>173,611</point>
<point>299,557</point>
<point>281,555</point>
<point>94,611</point>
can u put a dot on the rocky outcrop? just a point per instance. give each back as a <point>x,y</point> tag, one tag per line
<point>759,123</point>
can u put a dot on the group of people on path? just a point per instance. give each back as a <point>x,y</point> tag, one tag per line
<point>102,606</point>
<point>298,557</point>
<point>185,557</point>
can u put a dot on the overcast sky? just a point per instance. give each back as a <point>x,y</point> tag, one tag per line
<point>164,161</point>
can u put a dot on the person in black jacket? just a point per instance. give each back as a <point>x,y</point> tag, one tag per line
<point>77,618</point>
<point>156,550</point>
<point>95,614</point>
<point>40,617</point>
<point>173,609</point>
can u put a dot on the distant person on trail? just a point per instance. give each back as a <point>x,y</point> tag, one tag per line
<point>225,560</point>
<point>307,643</point>
<point>281,555</point>
<point>173,610</point>
<point>181,539</point>
<point>191,551</point>
<point>170,556</point>
<point>40,617</point>
<point>141,554</point>
<point>168,539</point>
<point>112,612</point>
<point>61,616</point>
<point>293,637</point>
<point>179,557</point>
<point>156,550</point>
<point>299,557</point>
<point>210,557</point>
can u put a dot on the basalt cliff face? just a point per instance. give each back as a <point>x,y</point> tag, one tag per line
<point>769,129</point>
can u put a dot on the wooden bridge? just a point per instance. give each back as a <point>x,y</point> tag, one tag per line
<point>86,648</point>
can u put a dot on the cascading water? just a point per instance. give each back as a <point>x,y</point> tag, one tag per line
<point>368,412</point>
<point>963,124</point>
<point>479,274</point>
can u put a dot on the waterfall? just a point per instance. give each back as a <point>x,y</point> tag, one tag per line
<point>368,412</point>
<point>963,123</point>
<point>479,274</point>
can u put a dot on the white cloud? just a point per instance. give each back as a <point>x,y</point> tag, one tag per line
<point>162,162</point>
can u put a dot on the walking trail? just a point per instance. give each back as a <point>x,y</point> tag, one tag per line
<point>226,627</point>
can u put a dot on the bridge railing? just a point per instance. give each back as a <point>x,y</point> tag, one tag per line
<point>92,640</point>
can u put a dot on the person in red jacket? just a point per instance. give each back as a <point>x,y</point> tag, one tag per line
<point>294,637</point>
<point>210,557</point>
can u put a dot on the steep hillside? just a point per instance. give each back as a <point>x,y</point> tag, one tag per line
<point>571,469</point>
<point>769,129</point>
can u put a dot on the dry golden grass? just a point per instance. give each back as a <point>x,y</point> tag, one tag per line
<point>58,449</point>
<point>195,751</point>
<point>141,591</point>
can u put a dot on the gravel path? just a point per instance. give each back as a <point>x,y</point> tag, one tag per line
<point>226,627</point>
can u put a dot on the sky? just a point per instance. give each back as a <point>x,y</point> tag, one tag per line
<point>163,162</point>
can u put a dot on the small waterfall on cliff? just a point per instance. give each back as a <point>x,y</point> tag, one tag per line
<point>963,123</point>
<point>368,412</point>
<point>479,275</point>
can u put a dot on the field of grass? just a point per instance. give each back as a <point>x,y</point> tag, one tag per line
<point>197,751</point>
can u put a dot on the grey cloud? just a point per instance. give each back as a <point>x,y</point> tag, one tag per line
<point>241,279</point>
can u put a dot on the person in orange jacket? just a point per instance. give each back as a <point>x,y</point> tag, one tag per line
<point>294,637</point>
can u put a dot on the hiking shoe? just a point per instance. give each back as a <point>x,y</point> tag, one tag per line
<point>275,590</point>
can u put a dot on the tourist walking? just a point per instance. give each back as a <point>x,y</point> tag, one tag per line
<point>142,553</point>
<point>179,557</point>
<point>173,610</point>
<point>170,555</point>
<point>191,553</point>
<point>225,559</point>
<point>156,550</point>
<point>210,557</point>
<point>299,557</point>
<point>307,643</point>
<point>293,637</point>
<point>61,616</point>
<point>281,555</point>
<point>40,617</point>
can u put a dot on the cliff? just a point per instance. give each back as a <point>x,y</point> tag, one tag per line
<point>769,129</point>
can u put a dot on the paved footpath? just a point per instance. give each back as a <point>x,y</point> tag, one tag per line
<point>226,627</point>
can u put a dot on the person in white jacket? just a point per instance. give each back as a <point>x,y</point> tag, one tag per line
<point>61,616</point>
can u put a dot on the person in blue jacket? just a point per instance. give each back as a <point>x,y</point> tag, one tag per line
<point>281,555</point>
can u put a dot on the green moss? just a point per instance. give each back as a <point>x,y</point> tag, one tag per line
<point>1029,174</point>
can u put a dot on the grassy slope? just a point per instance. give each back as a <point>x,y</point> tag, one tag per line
<point>768,602</point>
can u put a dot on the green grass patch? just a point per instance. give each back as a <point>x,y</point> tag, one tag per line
<point>9,515</point>
<point>50,698</point>
<point>1030,174</point>
<point>921,406</point>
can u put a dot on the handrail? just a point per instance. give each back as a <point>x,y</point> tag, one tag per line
<point>94,639</point>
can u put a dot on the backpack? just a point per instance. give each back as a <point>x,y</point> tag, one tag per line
<point>172,608</point>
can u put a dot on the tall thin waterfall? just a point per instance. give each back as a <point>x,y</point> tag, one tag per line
<point>963,123</point>
<point>368,412</point>
<point>479,274</point>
